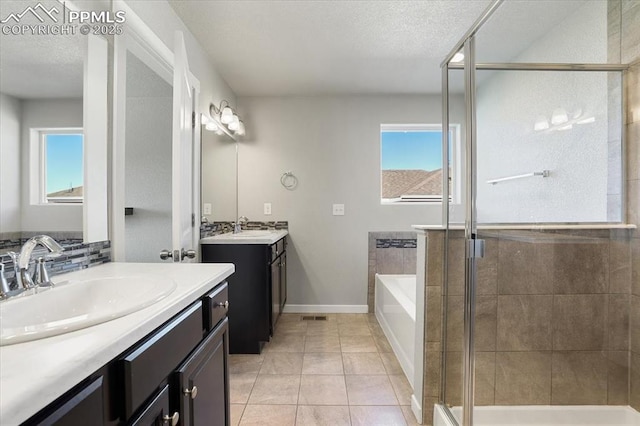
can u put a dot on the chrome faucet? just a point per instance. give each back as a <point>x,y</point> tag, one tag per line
<point>22,260</point>
<point>242,220</point>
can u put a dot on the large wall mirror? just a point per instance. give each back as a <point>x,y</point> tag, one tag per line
<point>219,177</point>
<point>53,122</point>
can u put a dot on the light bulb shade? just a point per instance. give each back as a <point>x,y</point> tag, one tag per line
<point>559,116</point>
<point>211,126</point>
<point>235,123</point>
<point>226,116</point>
<point>541,124</point>
<point>240,131</point>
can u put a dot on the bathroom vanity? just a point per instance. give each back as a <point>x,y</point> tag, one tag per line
<point>163,364</point>
<point>258,289</point>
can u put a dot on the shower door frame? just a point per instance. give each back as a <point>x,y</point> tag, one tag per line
<point>474,247</point>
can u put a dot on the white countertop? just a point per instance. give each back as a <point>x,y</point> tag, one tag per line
<point>34,374</point>
<point>247,237</point>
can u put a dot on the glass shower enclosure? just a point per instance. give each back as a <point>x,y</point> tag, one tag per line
<point>537,281</point>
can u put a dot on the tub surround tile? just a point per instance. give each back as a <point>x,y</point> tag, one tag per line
<point>389,261</point>
<point>453,378</point>
<point>486,322</point>
<point>579,322</point>
<point>618,322</point>
<point>269,415</point>
<point>485,379</point>
<point>323,390</point>
<point>634,324</point>
<point>620,265</point>
<point>618,378</point>
<point>579,378</point>
<point>370,390</point>
<point>316,415</point>
<point>432,375</point>
<point>523,268</point>
<point>523,378</point>
<point>377,416</point>
<point>515,334</point>
<point>581,268</point>
<point>634,388</point>
<point>488,269</point>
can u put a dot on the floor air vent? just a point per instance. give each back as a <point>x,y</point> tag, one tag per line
<point>314,318</point>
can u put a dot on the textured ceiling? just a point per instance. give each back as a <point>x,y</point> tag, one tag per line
<point>354,47</point>
<point>329,47</point>
<point>40,66</point>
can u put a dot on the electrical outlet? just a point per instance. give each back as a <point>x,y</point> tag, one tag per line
<point>267,208</point>
<point>206,209</point>
<point>338,209</point>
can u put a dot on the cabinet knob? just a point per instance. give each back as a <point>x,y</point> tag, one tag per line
<point>222,305</point>
<point>171,420</point>
<point>193,392</point>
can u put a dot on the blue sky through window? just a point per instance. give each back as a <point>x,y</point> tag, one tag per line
<point>411,150</point>
<point>64,161</point>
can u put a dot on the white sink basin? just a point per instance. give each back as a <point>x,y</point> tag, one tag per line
<point>74,305</point>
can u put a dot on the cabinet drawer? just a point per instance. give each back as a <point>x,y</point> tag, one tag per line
<point>216,306</point>
<point>152,361</point>
<point>156,412</point>
<point>84,407</point>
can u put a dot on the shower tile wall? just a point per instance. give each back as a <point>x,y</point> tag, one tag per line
<point>627,36</point>
<point>389,253</point>
<point>552,318</point>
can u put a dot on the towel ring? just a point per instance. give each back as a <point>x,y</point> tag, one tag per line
<point>289,181</point>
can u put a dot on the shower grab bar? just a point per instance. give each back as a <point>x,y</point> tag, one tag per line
<point>544,174</point>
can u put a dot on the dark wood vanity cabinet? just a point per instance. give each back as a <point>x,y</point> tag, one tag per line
<point>257,290</point>
<point>177,375</point>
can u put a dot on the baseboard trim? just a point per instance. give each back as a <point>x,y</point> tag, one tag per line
<point>325,309</point>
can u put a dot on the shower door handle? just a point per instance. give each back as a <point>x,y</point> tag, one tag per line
<point>476,248</point>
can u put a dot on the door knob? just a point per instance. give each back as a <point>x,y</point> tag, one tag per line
<point>193,392</point>
<point>171,420</point>
<point>166,254</point>
<point>191,254</point>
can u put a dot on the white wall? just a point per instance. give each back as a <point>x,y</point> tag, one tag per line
<point>147,163</point>
<point>47,113</point>
<point>10,117</point>
<point>163,21</point>
<point>332,145</point>
<point>509,104</point>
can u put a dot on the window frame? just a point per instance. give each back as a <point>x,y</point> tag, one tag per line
<point>455,161</point>
<point>39,166</point>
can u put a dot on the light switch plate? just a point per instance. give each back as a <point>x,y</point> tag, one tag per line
<point>338,209</point>
<point>267,208</point>
<point>206,209</point>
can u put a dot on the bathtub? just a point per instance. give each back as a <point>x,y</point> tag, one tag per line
<point>544,415</point>
<point>395,306</point>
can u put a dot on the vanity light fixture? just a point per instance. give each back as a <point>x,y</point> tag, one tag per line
<point>559,116</point>
<point>224,114</point>
<point>541,124</point>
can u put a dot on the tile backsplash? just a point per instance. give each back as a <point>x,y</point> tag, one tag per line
<point>216,228</point>
<point>75,257</point>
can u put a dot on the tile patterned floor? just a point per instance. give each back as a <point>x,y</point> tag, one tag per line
<point>337,372</point>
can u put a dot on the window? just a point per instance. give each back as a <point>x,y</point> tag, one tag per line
<point>411,163</point>
<point>61,166</point>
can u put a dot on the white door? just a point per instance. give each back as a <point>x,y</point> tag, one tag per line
<point>184,138</point>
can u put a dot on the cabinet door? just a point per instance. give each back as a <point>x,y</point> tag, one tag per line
<point>84,407</point>
<point>283,280</point>
<point>275,293</point>
<point>203,383</point>
<point>157,412</point>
